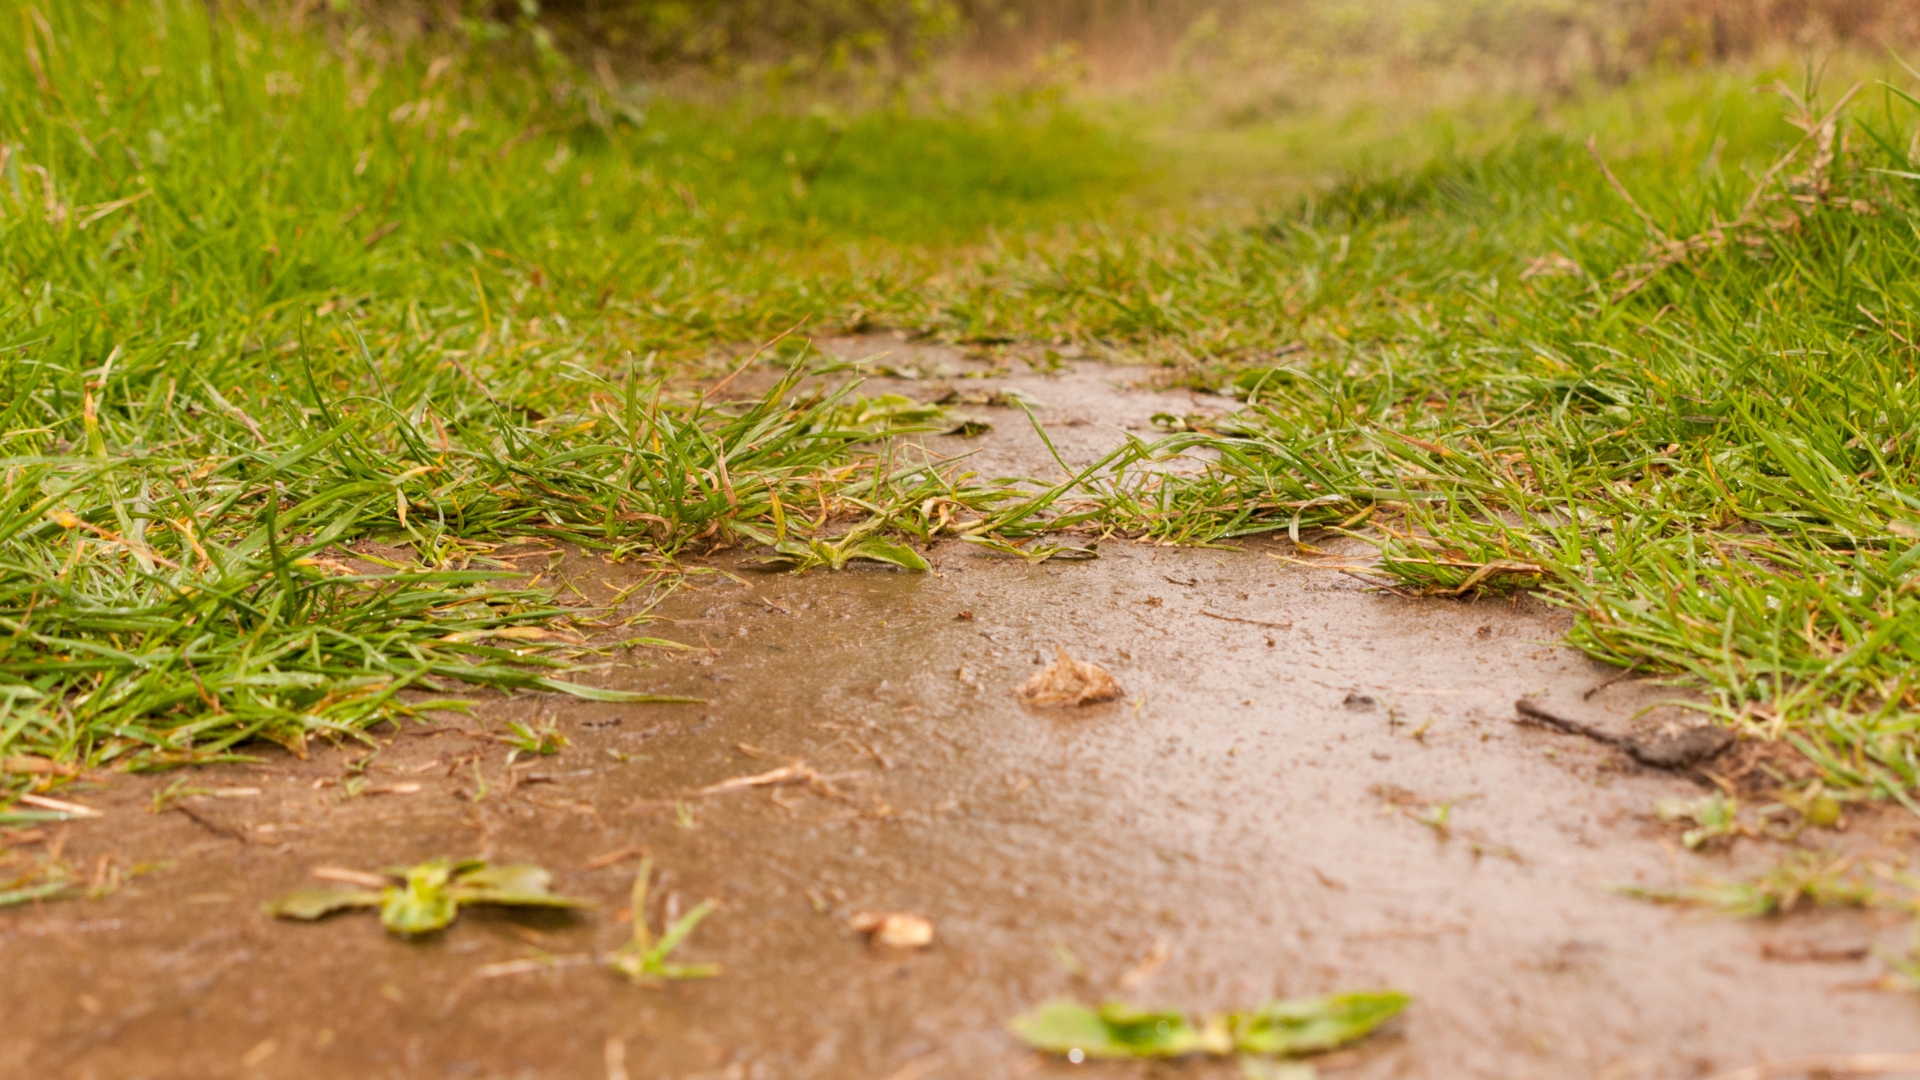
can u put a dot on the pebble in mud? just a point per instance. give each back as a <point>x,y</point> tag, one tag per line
<point>894,929</point>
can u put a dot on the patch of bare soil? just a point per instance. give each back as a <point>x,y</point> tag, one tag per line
<point>1245,820</point>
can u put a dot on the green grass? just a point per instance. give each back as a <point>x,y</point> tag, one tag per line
<point>275,290</point>
<point>1715,471</point>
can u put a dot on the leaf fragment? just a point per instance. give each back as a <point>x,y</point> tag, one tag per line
<point>311,904</point>
<point>1276,1028</point>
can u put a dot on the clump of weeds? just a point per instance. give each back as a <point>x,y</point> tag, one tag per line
<point>1716,819</point>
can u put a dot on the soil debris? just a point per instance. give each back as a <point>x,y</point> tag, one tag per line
<point>799,771</point>
<point>1067,681</point>
<point>894,929</point>
<point>1815,952</point>
<point>1846,1065</point>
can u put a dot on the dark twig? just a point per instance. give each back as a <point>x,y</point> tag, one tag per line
<point>1249,622</point>
<point>1614,678</point>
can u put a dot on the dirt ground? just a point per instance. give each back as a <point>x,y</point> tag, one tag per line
<point>1243,822</point>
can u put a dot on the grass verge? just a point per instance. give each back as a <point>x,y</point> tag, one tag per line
<point>277,290</point>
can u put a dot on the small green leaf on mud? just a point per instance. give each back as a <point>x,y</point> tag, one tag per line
<point>890,414</point>
<point>1715,817</point>
<point>600,693</point>
<point>428,896</point>
<point>1804,878</point>
<point>1311,1025</point>
<point>310,904</point>
<point>656,643</point>
<point>1114,1030</point>
<point>881,549</point>
<point>1281,1028</point>
<point>425,903</point>
<point>643,959</point>
<point>46,890</point>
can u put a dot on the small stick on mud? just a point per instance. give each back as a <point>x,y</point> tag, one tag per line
<point>601,862</point>
<point>1532,713</point>
<point>1249,622</point>
<point>1614,678</point>
<point>785,774</point>
<point>350,877</point>
<point>235,832</point>
<point>1844,1065</point>
<point>1669,750</point>
<point>532,964</point>
<point>1381,585</point>
<point>60,806</point>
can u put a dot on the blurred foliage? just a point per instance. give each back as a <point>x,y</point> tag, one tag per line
<point>1558,40</point>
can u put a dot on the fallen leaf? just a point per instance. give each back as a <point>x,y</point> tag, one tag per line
<point>1282,1028</point>
<point>1067,681</point>
<point>1115,1030</point>
<point>310,904</point>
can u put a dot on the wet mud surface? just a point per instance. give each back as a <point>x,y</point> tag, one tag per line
<point>1243,821</point>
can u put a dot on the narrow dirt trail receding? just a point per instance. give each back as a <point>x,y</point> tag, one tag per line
<point>1306,787</point>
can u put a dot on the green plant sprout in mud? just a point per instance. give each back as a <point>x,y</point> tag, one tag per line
<point>642,958</point>
<point>544,741</point>
<point>174,792</point>
<point>1903,969</point>
<point>1804,878</point>
<point>1035,551</point>
<point>1275,1029</point>
<point>858,543</point>
<point>428,896</point>
<point>1715,819</point>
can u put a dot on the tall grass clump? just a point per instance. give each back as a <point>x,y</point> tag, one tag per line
<point>277,289</point>
<point>1669,382</point>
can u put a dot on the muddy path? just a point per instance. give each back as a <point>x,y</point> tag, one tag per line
<point>1245,821</point>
